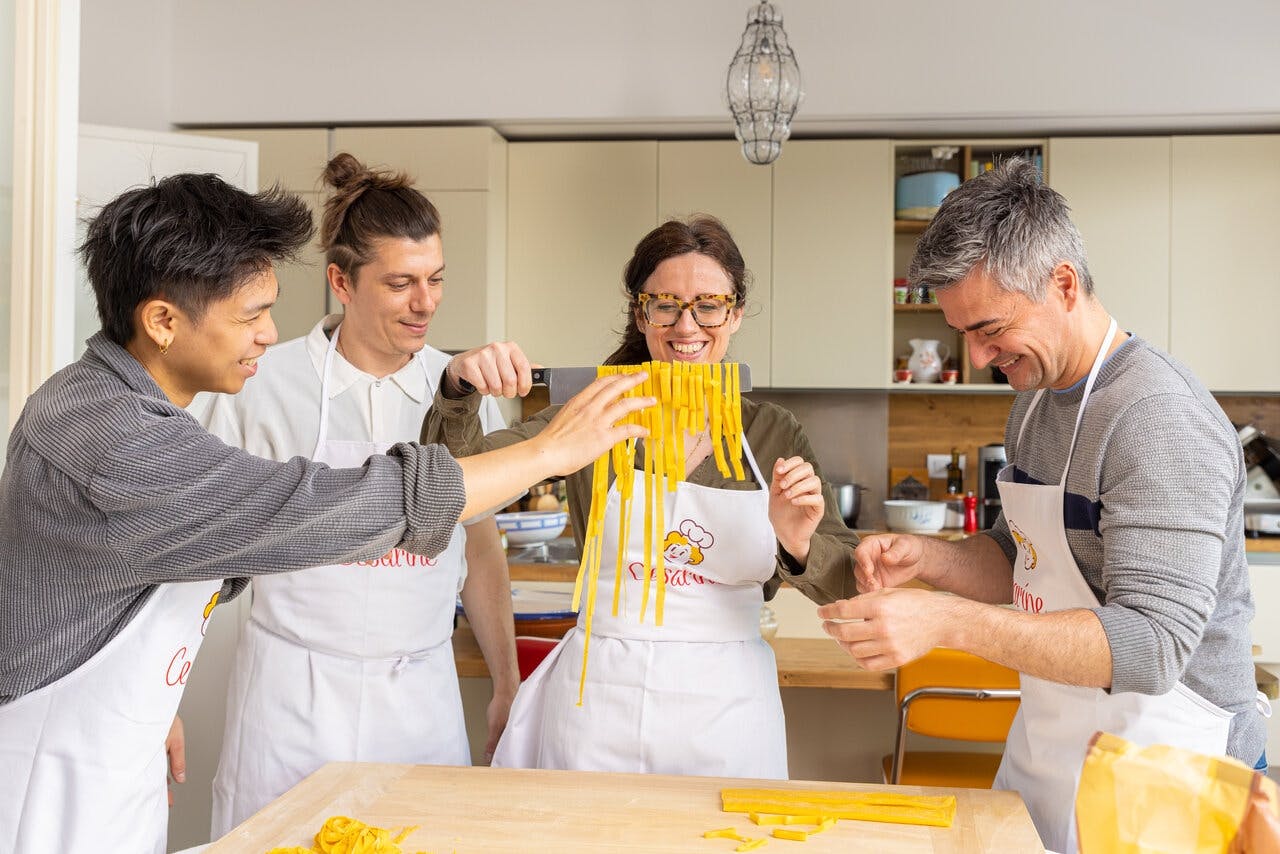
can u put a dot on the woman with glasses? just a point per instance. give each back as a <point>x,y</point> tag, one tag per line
<point>698,694</point>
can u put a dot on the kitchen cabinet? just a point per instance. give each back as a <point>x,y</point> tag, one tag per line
<point>833,264</point>
<point>1224,299</point>
<point>294,159</point>
<point>713,177</point>
<point>1119,192</point>
<point>463,170</point>
<point>575,211</point>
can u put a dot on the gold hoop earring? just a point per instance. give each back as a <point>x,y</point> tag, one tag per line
<point>164,348</point>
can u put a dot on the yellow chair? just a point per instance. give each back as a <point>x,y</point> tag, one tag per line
<point>951,694</point>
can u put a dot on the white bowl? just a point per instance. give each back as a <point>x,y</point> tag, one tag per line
<point>531,527</point>
<point>915,517</point>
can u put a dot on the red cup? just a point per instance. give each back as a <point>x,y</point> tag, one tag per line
<point>902,375</point>
<point>950,377</point>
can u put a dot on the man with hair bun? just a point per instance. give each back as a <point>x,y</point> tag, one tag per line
<point>1121,541</point>
<point>123,522</point>
<point>354,663</point>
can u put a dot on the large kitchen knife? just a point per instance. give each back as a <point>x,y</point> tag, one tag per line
<point>564,383</point>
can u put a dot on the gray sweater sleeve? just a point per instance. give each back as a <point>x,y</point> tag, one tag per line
<point>1162,532</point>
<point>179,504</point>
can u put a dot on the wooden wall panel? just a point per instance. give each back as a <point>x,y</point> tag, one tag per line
<point>922,424</point>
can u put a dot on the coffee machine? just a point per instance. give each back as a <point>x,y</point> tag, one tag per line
<point>990,460</point>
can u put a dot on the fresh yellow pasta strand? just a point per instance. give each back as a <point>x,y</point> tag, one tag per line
<point>735,413</point>
<point>679,387</point>
<point>717,415</point>
<point>649,459</point>
<point>668,447</point>
<point>591,563</point>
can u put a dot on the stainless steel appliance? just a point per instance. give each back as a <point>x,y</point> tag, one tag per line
<point>991,459</point>
<point>1262,487</point>
<point>1262,463</point>
<point>848,501</point>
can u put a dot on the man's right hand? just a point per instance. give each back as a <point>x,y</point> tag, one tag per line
<point>887,560</point>
<point>587,425</point>
<point>499,369</point>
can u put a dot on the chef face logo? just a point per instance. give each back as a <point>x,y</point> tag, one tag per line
<point>685,547</point>
<point>1028,549</point>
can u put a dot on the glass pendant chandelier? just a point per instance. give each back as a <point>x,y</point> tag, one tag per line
<point>763,87</point>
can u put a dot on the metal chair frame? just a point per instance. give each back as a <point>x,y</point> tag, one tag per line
<point>900,744</point>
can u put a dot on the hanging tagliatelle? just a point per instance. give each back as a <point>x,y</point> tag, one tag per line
<point>691,398</point>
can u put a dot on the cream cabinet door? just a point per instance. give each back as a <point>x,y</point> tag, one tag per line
<point>1118,189</point>
<point>293,158</point>
<point>438,158</point>
<point>833,264</point>
<point>575,213</point>
<point>1226,260</point>
<point>713,177</point>
<point>473,311</point>
<point>463,170</point>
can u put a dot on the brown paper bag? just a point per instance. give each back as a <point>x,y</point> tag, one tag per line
<point>1163,799</point>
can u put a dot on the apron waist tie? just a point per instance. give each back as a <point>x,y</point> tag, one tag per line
<point>399,662</point>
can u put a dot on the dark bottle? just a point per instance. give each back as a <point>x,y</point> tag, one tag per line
<point>955,476</point>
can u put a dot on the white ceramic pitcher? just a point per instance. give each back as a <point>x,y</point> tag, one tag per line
<point>926,362</point>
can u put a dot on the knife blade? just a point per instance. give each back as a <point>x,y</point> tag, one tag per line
<point>564,383</point>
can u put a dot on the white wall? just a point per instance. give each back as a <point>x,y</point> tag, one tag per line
<point>898,68</point>
<point>124,63</point>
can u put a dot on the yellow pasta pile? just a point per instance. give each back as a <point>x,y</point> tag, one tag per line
<point>691,397</point>
<point>343,835</point>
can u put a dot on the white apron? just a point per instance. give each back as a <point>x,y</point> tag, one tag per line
<point>83,758</point>
<point>342,663</point>
<point>697,695</point>
<point>1051,732</point>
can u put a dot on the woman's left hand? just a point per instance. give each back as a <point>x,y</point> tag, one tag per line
<point>795,505</point>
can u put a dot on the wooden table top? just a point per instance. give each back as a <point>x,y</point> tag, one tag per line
<point>802,663</point>
<point>472,810</point>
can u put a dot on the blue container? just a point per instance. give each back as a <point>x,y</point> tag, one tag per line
<point>918,196</point>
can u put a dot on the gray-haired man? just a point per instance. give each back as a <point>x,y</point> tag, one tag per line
<point>1121,542</point>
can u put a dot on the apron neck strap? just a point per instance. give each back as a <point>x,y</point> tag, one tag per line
<point>751,462</point>
<point>1098,359</point>
<point>322,435</point>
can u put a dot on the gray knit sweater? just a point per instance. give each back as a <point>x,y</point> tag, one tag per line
<point>1154,519</point>
<point>109,490</point>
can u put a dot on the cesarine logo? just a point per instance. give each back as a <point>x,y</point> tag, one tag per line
<point>1028,548</point>
<point>180,664</point>
<point>396,557</point>
<point>681,549</point>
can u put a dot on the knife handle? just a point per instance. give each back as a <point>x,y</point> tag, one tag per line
<point>540,376</point>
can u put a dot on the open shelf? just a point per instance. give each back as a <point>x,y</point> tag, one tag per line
<point>964,158</point>
<point>910,226</point>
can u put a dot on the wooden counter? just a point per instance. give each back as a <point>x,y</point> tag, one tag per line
<point>802,663</point>
<point>472,810</point>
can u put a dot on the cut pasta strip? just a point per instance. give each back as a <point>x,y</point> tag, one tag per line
<point>864,806</point>
<point>753,844</point>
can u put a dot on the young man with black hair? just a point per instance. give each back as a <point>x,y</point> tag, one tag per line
<point>123,522</point>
